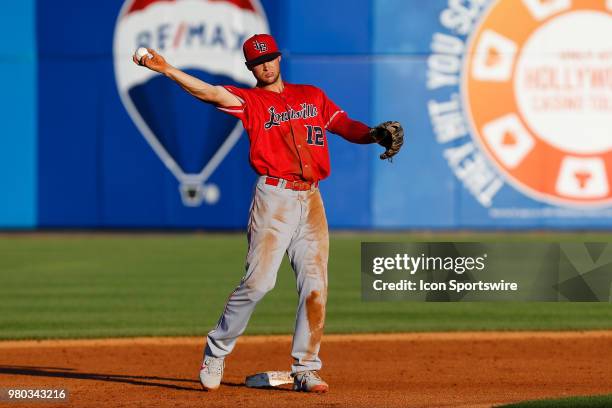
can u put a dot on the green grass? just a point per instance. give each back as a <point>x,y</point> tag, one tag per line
<point>71,286</point>
<point>595,401</point>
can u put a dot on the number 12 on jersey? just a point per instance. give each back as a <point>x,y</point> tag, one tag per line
<point>315,135</point>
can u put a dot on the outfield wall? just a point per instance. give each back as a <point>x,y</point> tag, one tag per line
<point>506,106</point>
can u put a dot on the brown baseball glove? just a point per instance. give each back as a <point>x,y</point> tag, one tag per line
<point>389,135</point>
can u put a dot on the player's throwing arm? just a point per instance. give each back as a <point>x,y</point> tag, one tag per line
<point>206,92</point>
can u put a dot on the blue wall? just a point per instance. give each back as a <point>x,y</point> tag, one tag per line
<point>18,137</point>
<point>71,156</point>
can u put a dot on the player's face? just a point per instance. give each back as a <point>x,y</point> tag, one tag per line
<point>268,72</point>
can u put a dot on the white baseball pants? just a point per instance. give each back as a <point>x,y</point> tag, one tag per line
<point>281,220</point>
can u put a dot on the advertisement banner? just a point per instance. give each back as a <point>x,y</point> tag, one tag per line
<point>506,107</point>
<point>511,98</point>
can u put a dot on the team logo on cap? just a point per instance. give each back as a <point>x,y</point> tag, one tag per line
<point>537,89</point>
<point>260,46</point>
<point>204,38</point>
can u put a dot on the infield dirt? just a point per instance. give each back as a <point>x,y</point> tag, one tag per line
<point>478,369</point>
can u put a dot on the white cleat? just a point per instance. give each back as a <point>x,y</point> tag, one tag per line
<point>211,373</point>
<point>309,381</point>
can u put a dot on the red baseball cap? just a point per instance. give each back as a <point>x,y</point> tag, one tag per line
<point>258,49</point>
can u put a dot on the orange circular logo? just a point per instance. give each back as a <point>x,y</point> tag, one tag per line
<point>537,87</point>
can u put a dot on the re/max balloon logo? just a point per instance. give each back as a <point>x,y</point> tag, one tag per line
<point>205,39</point>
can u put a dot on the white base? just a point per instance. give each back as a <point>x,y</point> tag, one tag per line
<point>269,379</point>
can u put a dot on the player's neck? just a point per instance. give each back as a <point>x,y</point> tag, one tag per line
<point>278,86</point>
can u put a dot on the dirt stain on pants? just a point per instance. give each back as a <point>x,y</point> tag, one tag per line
<point>315,313</point>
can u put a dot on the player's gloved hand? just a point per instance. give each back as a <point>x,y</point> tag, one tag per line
<point>155,63</point>
<point>389,135</point>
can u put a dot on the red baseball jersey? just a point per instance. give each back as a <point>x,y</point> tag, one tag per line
<point>287,130</point>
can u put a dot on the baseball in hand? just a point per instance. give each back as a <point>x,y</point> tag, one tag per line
<point>141,52</point>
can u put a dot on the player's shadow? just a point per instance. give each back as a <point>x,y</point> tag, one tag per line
<point>55,372</point>
<point>149,381</point>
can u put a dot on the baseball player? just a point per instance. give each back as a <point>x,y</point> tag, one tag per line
<point>287,127</point>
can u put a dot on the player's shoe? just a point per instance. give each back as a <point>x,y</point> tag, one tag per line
<point>211,373</point>
<point>309,381</point>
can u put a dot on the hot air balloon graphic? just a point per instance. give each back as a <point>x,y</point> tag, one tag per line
<point>203,38</point>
